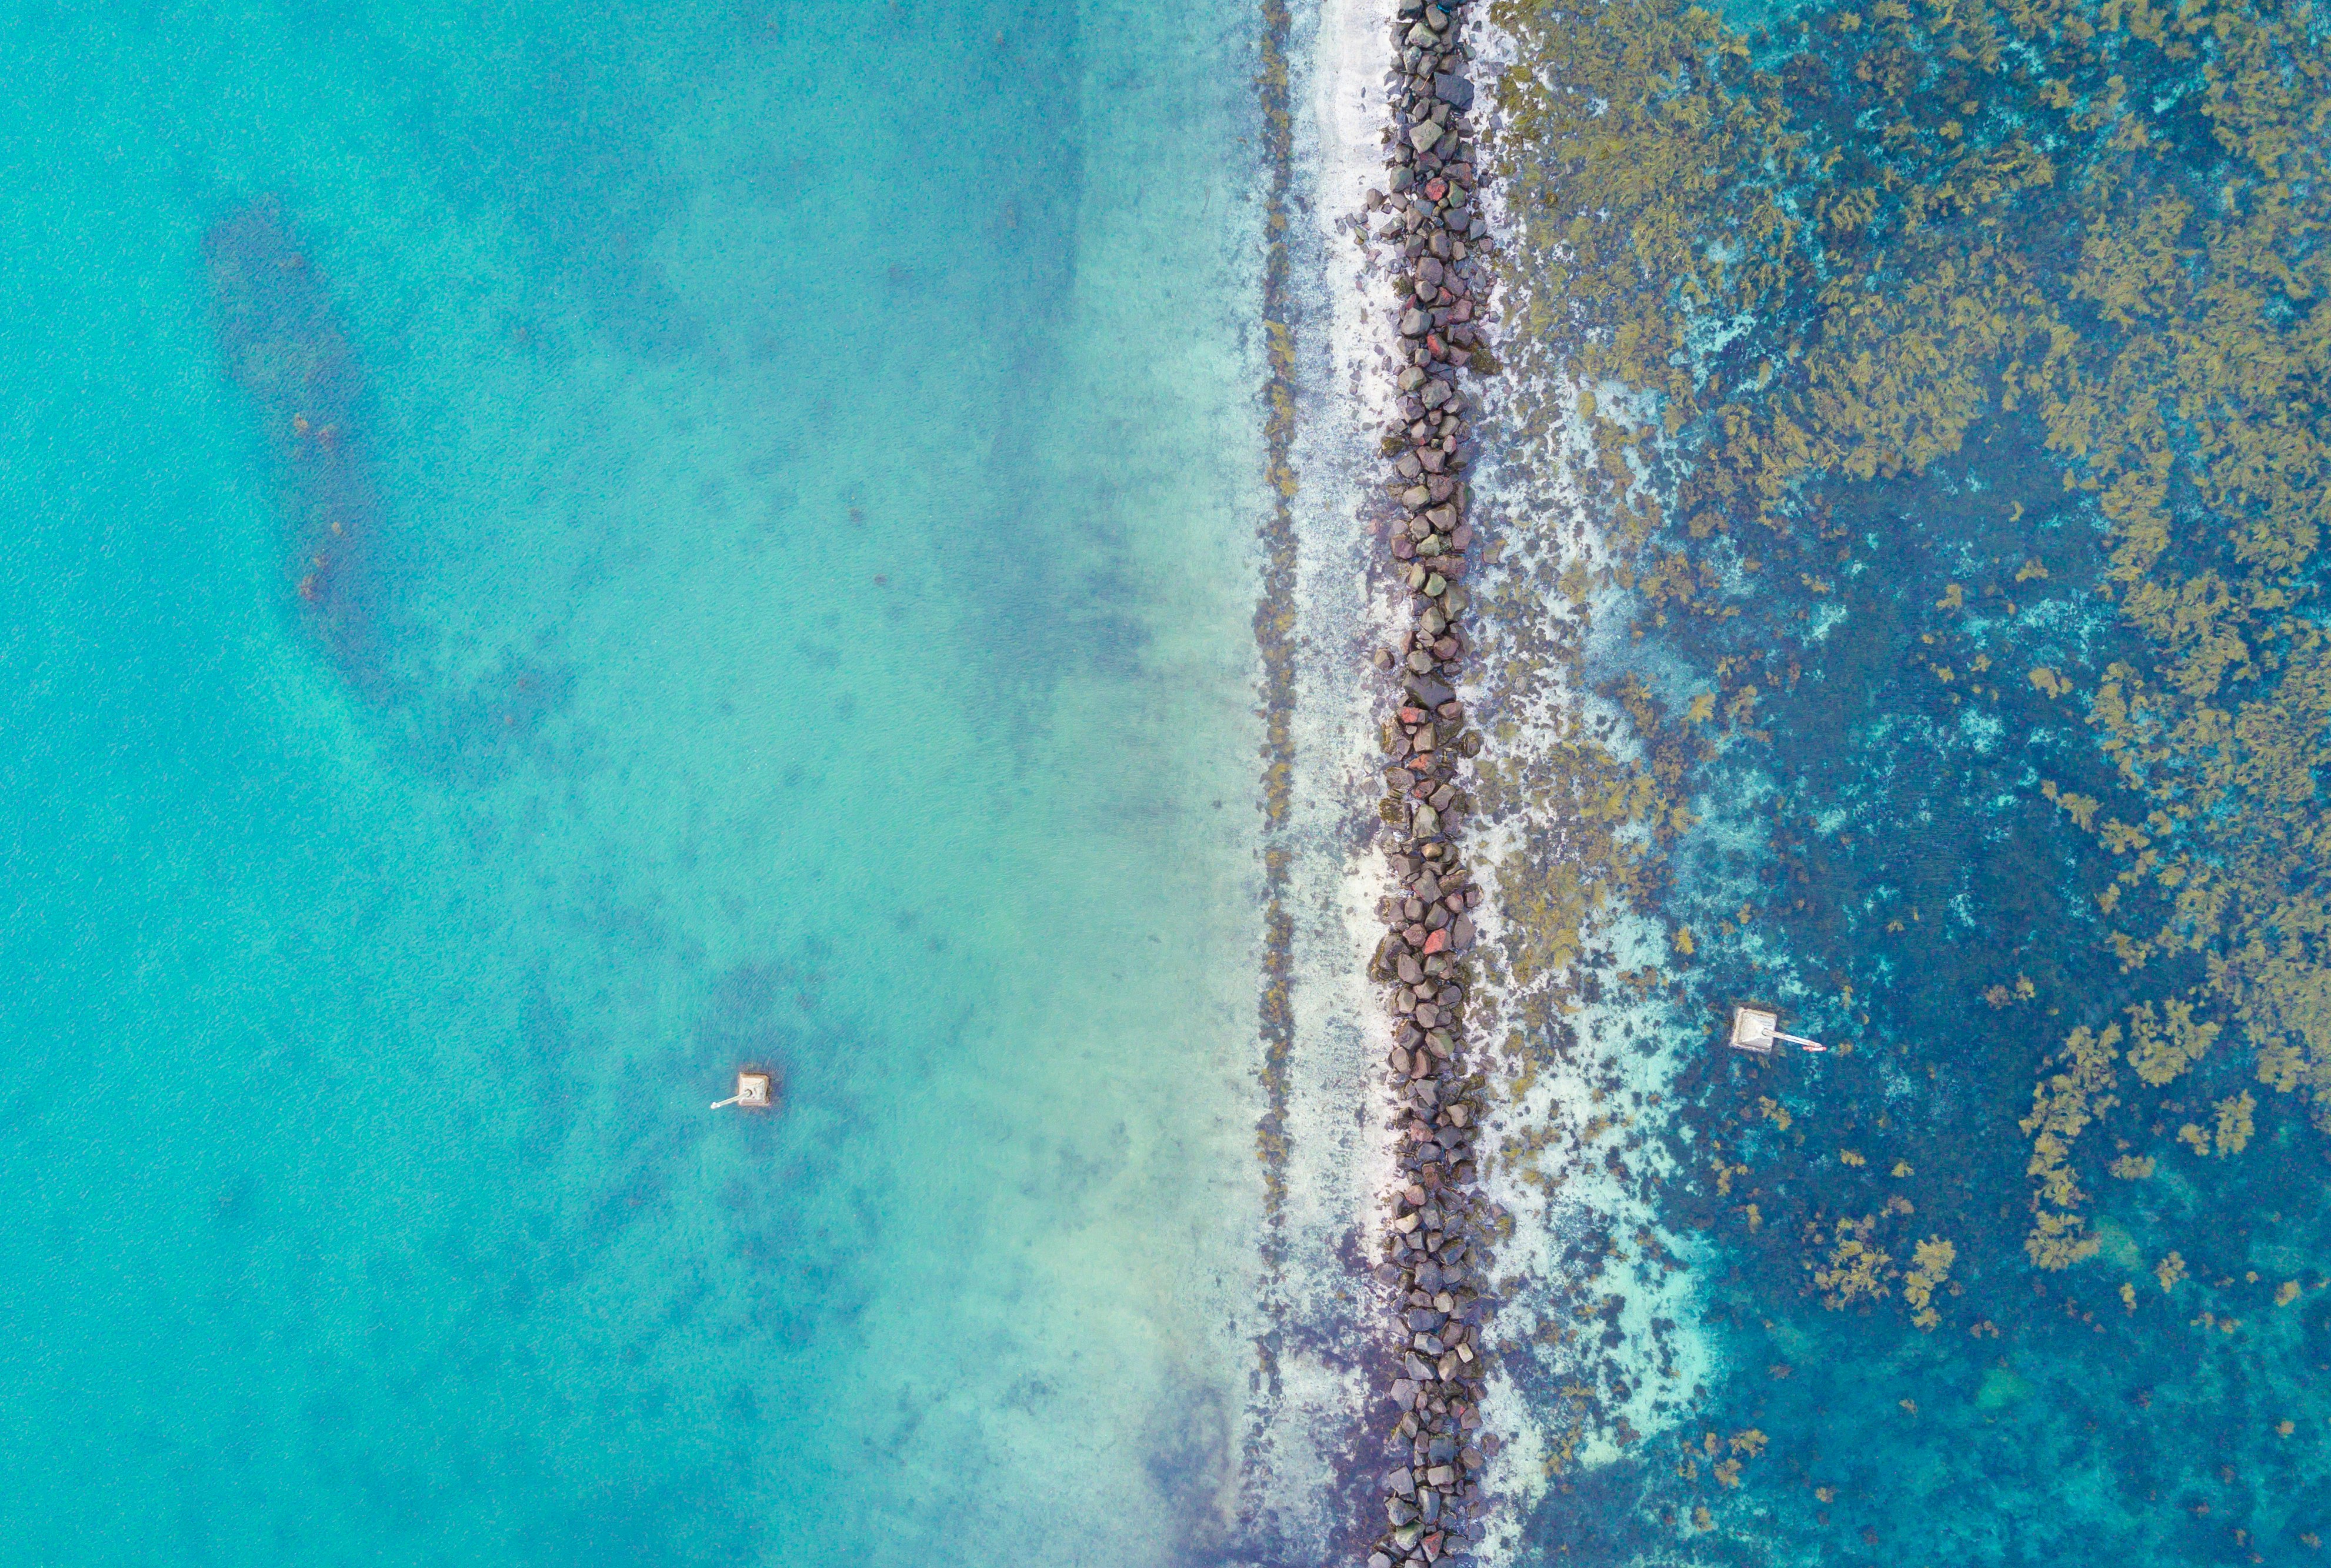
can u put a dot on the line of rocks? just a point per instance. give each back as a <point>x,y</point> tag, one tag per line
<point>1434,1255</point>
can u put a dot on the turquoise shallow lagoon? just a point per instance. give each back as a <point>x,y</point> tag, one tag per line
<point>808,475</point>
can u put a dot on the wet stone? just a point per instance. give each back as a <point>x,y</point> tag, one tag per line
<point>1431,207</point>
<point>1428,690</point>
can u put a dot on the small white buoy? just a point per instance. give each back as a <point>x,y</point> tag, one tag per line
<point>754,1088</point>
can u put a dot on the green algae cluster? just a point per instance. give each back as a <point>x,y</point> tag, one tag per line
<point>1998,337</point>
<point>1802,278</point>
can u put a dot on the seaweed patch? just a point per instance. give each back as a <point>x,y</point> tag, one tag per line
<point>1943,390</point>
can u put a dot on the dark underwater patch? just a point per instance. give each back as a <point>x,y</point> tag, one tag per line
<point>1966,524</point>
<point>283,344</point>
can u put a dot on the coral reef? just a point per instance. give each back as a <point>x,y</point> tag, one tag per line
<point>1944,391</point>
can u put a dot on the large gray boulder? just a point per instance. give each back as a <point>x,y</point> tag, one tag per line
<point>1429,690</point>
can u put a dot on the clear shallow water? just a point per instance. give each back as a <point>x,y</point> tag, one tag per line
<point>812,581</point>
<point>1961,473</point>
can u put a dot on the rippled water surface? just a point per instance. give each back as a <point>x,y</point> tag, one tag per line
<point>548,551</point>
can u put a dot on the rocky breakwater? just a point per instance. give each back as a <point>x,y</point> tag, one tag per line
<point>1434,1252</point>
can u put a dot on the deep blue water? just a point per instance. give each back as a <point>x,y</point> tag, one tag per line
<point>1962,384</point>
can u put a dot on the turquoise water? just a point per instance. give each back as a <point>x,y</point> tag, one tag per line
<point>808,473</point>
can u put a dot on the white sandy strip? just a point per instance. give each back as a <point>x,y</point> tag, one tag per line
<point>1339,1158</point>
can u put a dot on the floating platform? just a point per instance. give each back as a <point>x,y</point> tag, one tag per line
<point>757,1090</point>
<point>1755,1029</point>
<point>1752,1029</point>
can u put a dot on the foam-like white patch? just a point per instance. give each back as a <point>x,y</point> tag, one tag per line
<point>1561,1195</point>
